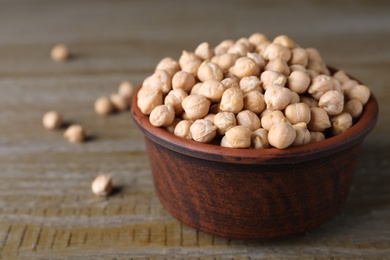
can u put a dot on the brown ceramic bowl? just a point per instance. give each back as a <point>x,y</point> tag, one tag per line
<point>249,193</point>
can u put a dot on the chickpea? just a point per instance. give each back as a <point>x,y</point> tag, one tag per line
<point>298,81</point>
<point>275,51</point>
<point>224,121</point>
<point>60,52</point>
<point>171,127</point>
<point>311,102</point>
<point>257,38</point>
<point>262,46</point>
<point>259,139</point>
<point>223,47</point>
<point>278,65</point>
<point>196,106</point>
<point>277,97</point>
<point>332,102</point>
<point>347,85</point>
<point>298,113</point>
<point>204,51</point>
<point>245,67</point>
<point>270,77</point>
<point>52,120</point>
<point>239,136</point>
<point>337,85</point>
<point>168,64</point>
<point>195,89</point>
<point>271,118</point>
<point>297,67</point>
<point>225,61</point>
<point>314,54</point>
<point>203,130</point>
<point>160,80</point>
<point>210,117</point>
<point>249,119</point>
<point>183,80</point>
<point>187,57</point>
<point>285,41</point>
<point>175,97</point>
<point>225,143</point>
<point>302,134</point>
<point>212,89</point>
<point>340,123</point>
<point>232,100</point>
<point>230,83</point>
<point>148,99</point>
<point>250,83</point>
<point>299,56</point>
<point>119,102</point>
<point>254,101</point>
<point>319,120</point>
<point>247,43</point>
<point>75,134</point>
<point>126,90</point>
<point>209,70</point>
<point>192,67</point>
<point>320,85</point>
<point>354,107</point>
<point>104,106</point>
<point>257,58</point>
<point>316,137</point>
<point>281,135</point>
<point>162,115</point>
<point>318,67</point>
<point>182,129</point>
<point>239,48</point>
<point>341,76</point>
<point>359,92</point>
<point>102,185</point>
<point>294,98</point>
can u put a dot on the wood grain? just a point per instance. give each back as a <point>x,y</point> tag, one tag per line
<point>47,210</point>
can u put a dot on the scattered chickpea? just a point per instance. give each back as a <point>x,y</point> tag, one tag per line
<point>203,130</point>
<point>302,134</point>
<point>168,64</point>
<point>359,92</point>
<point>259,139</point>
<point>148,99</point>
<point>119,102</point>
<point>249,119</point>
<point>209,70</point>
<point>332,102</point>
<point>299,56</point>
<point>183,80</point>
<point>281,135</point>
<point>340,123</point>
<point>104,106</point>
<point>102,185</point>
<point>232,100</point>
<point>182,129</point>
<point>271,118</point>
<point>196,106</point>
<point>319,120</point>
<point>52,120</point>
<point>204,51</point>
<point>278,65</point>
<point>316,137</point>
<point>212,89</point>
<point>354,107</point>
<point>60,52</point>
<point>274,51</point>
<point>297,113</point>
<point>126,90</point>
<point>277,97</point>
<point>245,67</point>
<point>75,134</point>
<point>239,136</point>
<point>224,121</point>
<point>298,81</point>
<point>175,97</point>
<point>162,115</point>
<point>254,101</point>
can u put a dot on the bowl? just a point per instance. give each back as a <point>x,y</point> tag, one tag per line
<point>258,194</point>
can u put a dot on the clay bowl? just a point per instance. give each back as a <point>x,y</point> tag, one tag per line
<point>253,194</point>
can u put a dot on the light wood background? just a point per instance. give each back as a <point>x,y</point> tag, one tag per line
<point>47,210</point>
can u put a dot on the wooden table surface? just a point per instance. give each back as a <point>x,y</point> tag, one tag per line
<point>47,210</point>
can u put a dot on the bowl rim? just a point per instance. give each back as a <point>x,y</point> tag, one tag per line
<point>290,155</point>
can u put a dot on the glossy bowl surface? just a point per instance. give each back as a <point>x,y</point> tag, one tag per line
<point>250,193</point>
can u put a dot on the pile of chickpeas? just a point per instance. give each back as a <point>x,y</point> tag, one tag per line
<point>251,93</point>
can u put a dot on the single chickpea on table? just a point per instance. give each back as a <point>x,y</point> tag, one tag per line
<point>252,93</point>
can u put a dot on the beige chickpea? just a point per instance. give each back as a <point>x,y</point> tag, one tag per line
<point>347,85</point>
<point>119,102</point>
<point>245,67</point>
<point>232,100</point>
<point>259,139</point>
<point>196,106</point>
<point>314,54</point>
<point>60,52</point>
<point>148,99</point>
<point>257,38</point>
<point>260,48</point>
<point>175,97</point>
<point>354,107</point>
<point>187,57</point>
<point>182,129</point>
<point>239,136</point>
<point>298,113</point>
<point>257,58</point>
<point>250,83</point>
<point>196,87</point>
<point>270,118</point>
<point>316,137</point>
<point>212,89</point>
<point>210,117</point>
<point>225,143</point>
<point>320,85</point>
<point>295,98</point>
<point>275,51</point>
<point>183,80</point>
<point>298,81</point>
<point>277,97</point>
<point>302,134</point>
<point>225,61</point>
<point>249,119</point>
<point>278,65</point>
<point>162,115</point>
<point>254,101</point>
<point>168,64</point>
<point>311,102</point>
<point>172,126</point>
<point>359,92</point>
<point>224,121</point>
<point>75,134</point>
<point>104,106</point>
<point>102,185</point>
<point>332,102</point>
<point>319,120</point>
<point>204,51</point>
<point>203,130</point>
<point>285,41</point>
<point>341,76</point>
<point>337,85</point>
<point>160,80</point>
<point>126,90</point>
<point>239,48</point>
<point>281,135</point>
<point>52,120</point>
<point>340,123</point>
<point>247,43</point>
<point>269,77</point>
<point>223,47</point>
<point>312,73</point>
<point>230,83</point>
<point>209,70</point>
<point>318,67</point>
<point>299,56</point>
<point>297,67</point>
<point>192,67</point>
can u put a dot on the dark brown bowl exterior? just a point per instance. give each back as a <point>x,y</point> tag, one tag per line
<point>249,193</point>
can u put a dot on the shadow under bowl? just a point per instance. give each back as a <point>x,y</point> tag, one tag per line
<point>253,193</point>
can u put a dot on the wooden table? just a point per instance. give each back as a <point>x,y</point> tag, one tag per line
<point>47,210</point>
